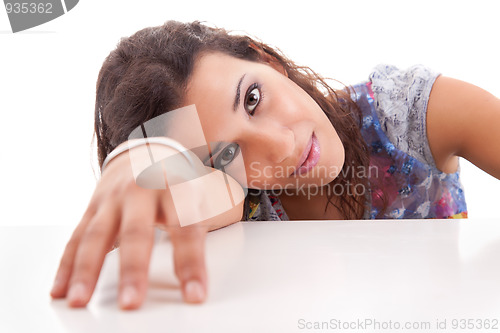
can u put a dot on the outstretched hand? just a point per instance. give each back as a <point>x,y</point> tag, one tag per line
<point>122,212</point>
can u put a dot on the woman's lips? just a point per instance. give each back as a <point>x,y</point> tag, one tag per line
<point>309,158</point>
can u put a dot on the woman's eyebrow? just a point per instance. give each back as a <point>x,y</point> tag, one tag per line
<point>237,97</point>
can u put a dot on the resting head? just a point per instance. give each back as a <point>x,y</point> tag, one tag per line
<point>262,116</point>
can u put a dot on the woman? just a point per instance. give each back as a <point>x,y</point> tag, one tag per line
<point>387,148</point>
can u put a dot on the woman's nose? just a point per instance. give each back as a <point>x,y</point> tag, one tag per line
<point>274,143</point>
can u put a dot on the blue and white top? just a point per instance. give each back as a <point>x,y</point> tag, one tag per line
<point>404,180</point>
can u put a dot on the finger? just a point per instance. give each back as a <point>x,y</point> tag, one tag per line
<point>95,242</point>
<point>60,286</point>
<point>189,260</point>
<point>137,238</point>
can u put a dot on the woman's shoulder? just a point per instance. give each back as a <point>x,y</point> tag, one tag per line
<point>400,98</point>
<point>393,75</point>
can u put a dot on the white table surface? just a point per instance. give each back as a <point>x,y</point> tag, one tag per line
<point>275,277</point>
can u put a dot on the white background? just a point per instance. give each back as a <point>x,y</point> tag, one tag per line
<point>48,75</point>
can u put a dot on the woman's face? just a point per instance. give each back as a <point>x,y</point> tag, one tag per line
<point>261,124</point>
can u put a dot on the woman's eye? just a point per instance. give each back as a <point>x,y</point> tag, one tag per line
<point>226,156</point>
<point>252,99</point>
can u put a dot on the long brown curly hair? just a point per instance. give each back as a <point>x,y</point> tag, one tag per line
<point>147,74</point>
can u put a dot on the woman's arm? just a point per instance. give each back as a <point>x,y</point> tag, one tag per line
<point>121,210</point>
<point>463,120</point>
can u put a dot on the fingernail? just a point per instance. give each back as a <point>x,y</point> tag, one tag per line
<point>56,286</point>
<point>128,296</point>
<point>193,292</point>
<point>77,293</point>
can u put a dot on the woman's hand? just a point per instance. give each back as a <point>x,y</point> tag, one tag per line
<point>120,210</point>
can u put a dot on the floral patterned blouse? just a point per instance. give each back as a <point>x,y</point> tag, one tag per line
<point>402,170</point>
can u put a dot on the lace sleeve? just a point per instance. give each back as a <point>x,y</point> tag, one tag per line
<point>401,98</point>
